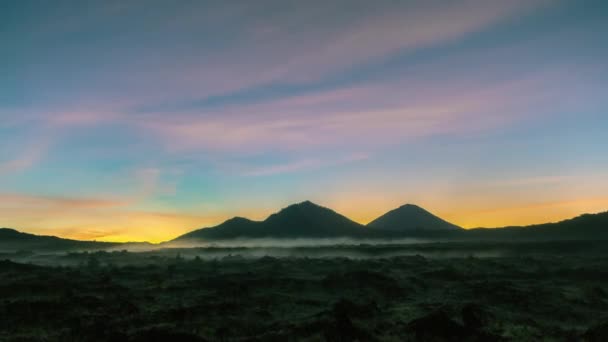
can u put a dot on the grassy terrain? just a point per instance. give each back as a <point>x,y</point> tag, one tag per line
<point>525,292</point>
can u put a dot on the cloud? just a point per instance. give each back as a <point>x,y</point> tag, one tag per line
<point>149,53</point>
<point>15,200</point>
<point>44,128</point>
<point>28,156</point>
<point>381,114</point>
<point>276,46</point>
<point>301,165</point>
<point>387,28</point>
<point>139,186</point>
<point>534,181</point>
<point>23,162</point>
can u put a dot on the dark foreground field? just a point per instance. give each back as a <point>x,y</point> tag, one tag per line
<point>519,292</point>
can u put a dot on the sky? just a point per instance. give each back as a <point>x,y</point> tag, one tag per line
<point>142,120</point>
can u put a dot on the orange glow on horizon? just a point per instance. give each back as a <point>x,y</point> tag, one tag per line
<point>124,226</point>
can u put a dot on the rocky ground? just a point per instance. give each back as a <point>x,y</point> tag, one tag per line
<point>131,297</point>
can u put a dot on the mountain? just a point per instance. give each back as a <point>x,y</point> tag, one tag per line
<point>234,227</point>
<point>13,240</point>
<point>411,218</point>
<point>302,220</point>
<point>583,227</point>
<point>308,220</point>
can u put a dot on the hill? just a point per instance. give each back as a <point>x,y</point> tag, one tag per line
<point>13,240</point>
<point>411,218</point>
<point>583,227</point>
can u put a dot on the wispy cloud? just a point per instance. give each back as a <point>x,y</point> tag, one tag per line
<point>383,31</point>
<point>302,165</point>
<point>327,119</point>
<point>253,47</point>
<point>27,159</point>
<point>27,156</point>
<point>15,200</point>
<point>44,129</point>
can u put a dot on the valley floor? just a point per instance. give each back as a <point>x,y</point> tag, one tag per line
<point>124,296</point>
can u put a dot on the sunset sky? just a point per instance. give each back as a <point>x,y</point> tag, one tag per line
<point>142,120</point>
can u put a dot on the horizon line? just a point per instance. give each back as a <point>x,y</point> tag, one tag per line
<point>364,225</point>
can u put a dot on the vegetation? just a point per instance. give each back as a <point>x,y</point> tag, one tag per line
<point>528,292</point>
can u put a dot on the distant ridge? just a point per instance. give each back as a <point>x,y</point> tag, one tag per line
<point>13,240</point>
<point>411,218</point>
<point>583,227</point>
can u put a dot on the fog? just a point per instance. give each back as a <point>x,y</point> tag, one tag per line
<point>328,252</point>
<point>248,249</point>
<point>341,248</point>
<point>290,243</point>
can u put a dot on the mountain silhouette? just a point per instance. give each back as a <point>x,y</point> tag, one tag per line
<point>583,227</point>
<point>13,240</point>
<point>411,218</point>
<point>302,220</point>
<point>308,220</point>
